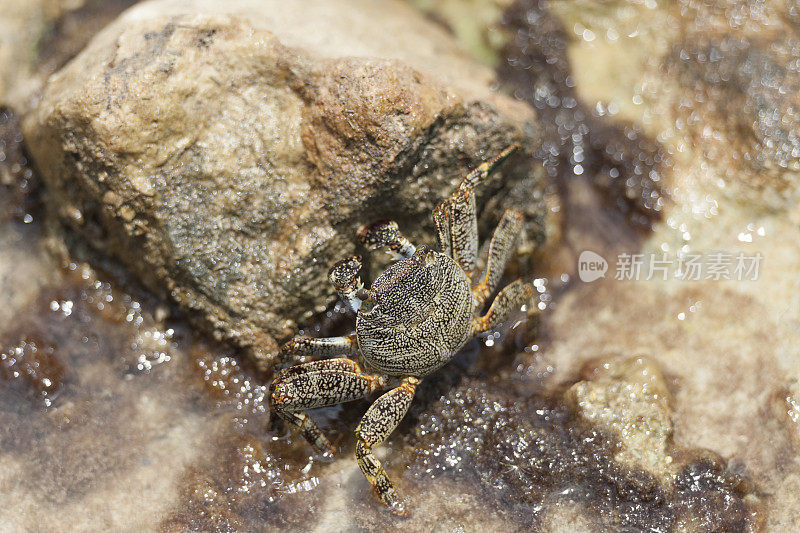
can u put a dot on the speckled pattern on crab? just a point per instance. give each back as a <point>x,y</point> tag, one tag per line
<point>421,318</point>
<point>414,318</point>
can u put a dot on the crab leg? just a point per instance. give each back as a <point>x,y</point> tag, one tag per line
<point>318,384</point>
<point>441,217</point>
<point>380,420</point>
<point>386,233</point>
<point>510,299</point>
<point>501,247</point>
<point>458,215</point>
<point>304,349</point>
<point>484,169</point>
<point>464,229</point>
<point>340,363</point>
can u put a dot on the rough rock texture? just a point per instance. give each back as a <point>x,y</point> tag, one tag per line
<point>227,153</point>
<point>629,399</point>
<point>179,430</point>
<point>745,93</point>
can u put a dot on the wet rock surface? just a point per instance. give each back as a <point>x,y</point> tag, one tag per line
<point>18,182</point>
<point>226,156</point>
<point>580,143</point>
<point>69,407</point>
<point>743,90</point>
<point>25,265</point>
<point>529,454</point>
<point>786,406</point>
<point>548,425</point>
<point>35,365</point>
<point>629,399</point>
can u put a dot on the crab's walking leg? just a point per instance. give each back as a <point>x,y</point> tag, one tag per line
<point>304,349</point>
<point>378,423</point>
<point>318,384</point>
<point>441,217</point>
<point>344,276</point>
<point>458,214</point>
<point>460,209</point>
<point>340,363</point>
<point>501,247</point>
<point>484,169</point>
<point>510,299</point>
<point>386,233</point>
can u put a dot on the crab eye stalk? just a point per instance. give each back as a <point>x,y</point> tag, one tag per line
<point>344,277</point>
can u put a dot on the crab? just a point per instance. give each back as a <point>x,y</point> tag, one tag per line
<point>414,319</point>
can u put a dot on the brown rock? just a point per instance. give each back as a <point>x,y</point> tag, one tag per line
<point>227,153</point>
<point>786,407</point>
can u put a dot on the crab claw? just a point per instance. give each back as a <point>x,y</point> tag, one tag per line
<point>344,276</point>
<point>379,233</point>
<point>345,273</point>
<point>385,233</point>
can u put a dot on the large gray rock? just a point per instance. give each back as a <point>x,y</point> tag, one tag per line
<point>226,152</point>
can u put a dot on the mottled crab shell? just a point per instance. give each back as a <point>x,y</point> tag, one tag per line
<point>421,317</point>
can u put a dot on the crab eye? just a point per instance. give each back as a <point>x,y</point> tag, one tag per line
<point>421,254</point>
<point>424,256</point>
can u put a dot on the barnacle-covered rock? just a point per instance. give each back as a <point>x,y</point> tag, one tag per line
<point>225,152</point>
